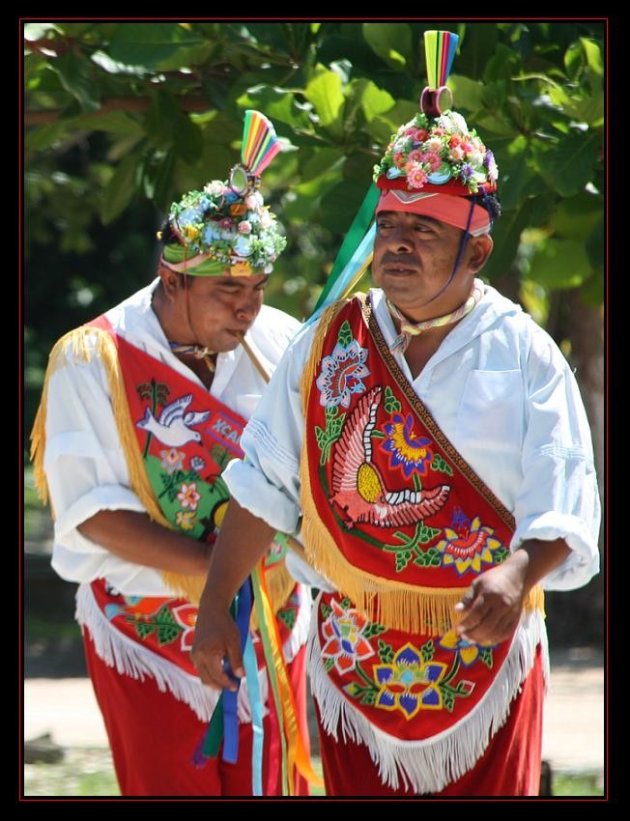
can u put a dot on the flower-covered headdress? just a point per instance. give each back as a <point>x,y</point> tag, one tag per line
<point>435,161</point>
<point>226,229</point>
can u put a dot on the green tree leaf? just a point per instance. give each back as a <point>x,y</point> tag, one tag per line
<point>120,189</point>
<point>560,263</point>
<point>74,71</point>
<point>148,44</point>
<point>391,41</point>
<point>324,92</point>
<point>467,92</point>
<point>570,164</point>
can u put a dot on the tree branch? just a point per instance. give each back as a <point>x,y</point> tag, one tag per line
<point>131,104</point>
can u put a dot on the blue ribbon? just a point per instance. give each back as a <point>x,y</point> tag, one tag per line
<point>251,672</point>
<point>230,697</point>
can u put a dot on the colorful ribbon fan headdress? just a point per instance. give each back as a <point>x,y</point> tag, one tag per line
<point>226,228</point>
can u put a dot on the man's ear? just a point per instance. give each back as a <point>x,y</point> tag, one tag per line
<point>170,281</point>
<point>480,249</point>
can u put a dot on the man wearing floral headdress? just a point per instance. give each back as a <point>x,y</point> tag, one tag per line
<point>141,411</point>
<point>433,440</point>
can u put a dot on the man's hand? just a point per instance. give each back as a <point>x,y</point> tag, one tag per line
<point>492,607</point>
<point>216,639</point>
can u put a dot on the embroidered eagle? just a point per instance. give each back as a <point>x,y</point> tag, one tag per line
<point>357,484</point>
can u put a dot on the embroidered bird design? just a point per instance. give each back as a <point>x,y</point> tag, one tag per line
<point>357,483</point>
<point>173,427</point>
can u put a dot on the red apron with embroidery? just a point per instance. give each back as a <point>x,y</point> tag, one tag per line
<point>402,526</point>
<point>186,437</point>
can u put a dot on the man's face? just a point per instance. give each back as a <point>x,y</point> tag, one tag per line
<point>414,256</point>
<point>220,307</point>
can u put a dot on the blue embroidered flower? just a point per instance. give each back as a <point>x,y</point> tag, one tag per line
<point>408,451</point>
<point>341,375</point>
<point>408,684</point>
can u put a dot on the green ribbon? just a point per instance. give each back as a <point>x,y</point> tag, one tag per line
<point>355,234</point>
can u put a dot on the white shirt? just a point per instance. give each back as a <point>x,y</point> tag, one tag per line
<point>84,463</point>
<point>502,393</point>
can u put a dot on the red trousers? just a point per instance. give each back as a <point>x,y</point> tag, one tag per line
<point>510,765</point>
<point>153,737</point>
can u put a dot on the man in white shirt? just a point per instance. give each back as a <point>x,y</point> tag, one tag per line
<point>433,439</point>
<point>141,410</point>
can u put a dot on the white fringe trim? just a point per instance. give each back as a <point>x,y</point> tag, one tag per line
<point>134,660</point>
<point>429,765</point>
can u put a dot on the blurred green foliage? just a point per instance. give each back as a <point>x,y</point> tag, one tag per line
<point>121,118</point>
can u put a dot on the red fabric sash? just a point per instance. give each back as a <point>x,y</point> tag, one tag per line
<point>391,490</point>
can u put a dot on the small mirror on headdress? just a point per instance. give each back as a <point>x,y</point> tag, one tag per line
<point>240,181</point>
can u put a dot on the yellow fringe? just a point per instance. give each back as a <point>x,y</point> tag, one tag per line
<point>397,605</point>
<point>308,376</point>
<point>83,344</point>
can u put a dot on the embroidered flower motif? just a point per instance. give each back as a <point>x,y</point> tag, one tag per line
<point>468,651</point>
<point>188,496</point>
<point>185,520</point>
<point>186,616</point>
<point>197,463</point>
<point>437,150</point>
<point>172,460</point>
<point>407,450</point>
<point>341,374</point>
<point>345,640</point>
<point>467,544</point>
<point>408,684</point>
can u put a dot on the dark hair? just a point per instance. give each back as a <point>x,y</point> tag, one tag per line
<point>488,201</point>
<point>166,234</point>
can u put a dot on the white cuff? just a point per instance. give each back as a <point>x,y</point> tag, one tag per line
<point>583,562</point>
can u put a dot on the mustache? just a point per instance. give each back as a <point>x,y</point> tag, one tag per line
<point>398,259</point>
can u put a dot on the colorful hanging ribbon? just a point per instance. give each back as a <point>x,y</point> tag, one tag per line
<point>350,262</point>
<point>297,757</point>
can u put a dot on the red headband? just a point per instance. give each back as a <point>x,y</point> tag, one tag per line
<point>444,207</point>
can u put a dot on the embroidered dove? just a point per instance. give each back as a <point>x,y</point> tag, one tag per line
<point>173,427</point>
<point>358,485</point>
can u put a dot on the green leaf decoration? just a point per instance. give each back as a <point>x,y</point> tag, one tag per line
<point>373,629</point>
<point>391,404</point>
<point>385,652</point>
<point>288,616</point>
<point>440,465</point>
<point>345,337</point>
<point>403,557</point>
<point>325,610</point>
<point>427,651</point>
<point>485,654</point>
